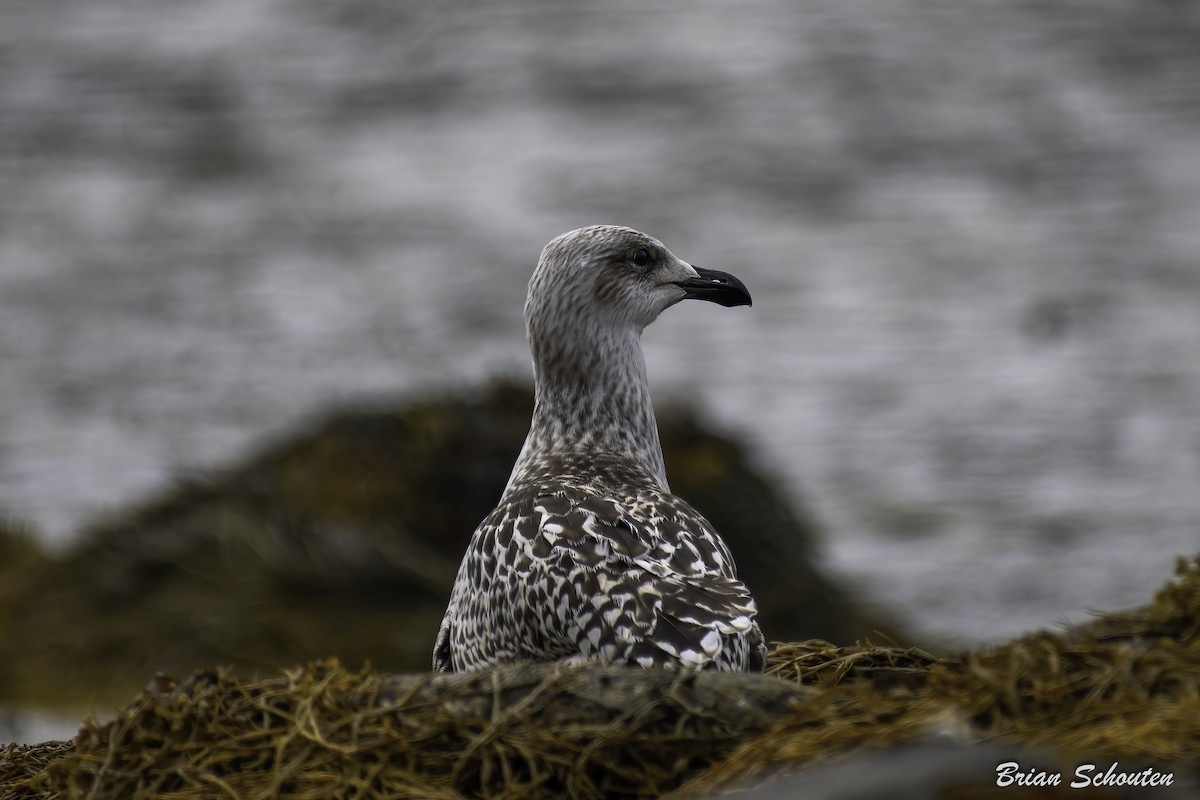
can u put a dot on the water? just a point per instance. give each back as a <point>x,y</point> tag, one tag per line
<point>970,230</point>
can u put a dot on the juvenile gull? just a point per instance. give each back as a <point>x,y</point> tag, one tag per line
<point>588,555</point>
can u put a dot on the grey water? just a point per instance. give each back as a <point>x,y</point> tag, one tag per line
<point>972,232</point>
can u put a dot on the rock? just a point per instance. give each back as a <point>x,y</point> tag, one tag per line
<point>343,539</point>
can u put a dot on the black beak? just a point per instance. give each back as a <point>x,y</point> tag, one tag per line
<point>716,287</point>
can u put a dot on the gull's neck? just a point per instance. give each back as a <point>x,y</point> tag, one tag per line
<point>591,404</point>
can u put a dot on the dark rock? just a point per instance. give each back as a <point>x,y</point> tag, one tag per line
<point>344,539</point>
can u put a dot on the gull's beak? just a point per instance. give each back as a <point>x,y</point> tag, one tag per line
<point>716,287</point>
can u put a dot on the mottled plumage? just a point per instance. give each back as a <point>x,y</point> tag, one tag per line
<point>588,555</point>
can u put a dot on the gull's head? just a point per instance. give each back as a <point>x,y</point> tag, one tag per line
<point>617,277</point>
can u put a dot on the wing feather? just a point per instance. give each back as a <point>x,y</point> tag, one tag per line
<point>654,590</point>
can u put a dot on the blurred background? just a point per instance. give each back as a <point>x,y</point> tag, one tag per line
<point>971,230</point>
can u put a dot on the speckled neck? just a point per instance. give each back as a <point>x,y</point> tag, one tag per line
<point>592,404</point>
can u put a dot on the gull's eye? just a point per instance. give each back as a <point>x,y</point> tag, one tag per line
<point>641,258</point>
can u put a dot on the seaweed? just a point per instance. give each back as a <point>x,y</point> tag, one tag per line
<point>550,730</point>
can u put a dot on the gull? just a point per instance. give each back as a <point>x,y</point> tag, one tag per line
<point>588,557</point>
